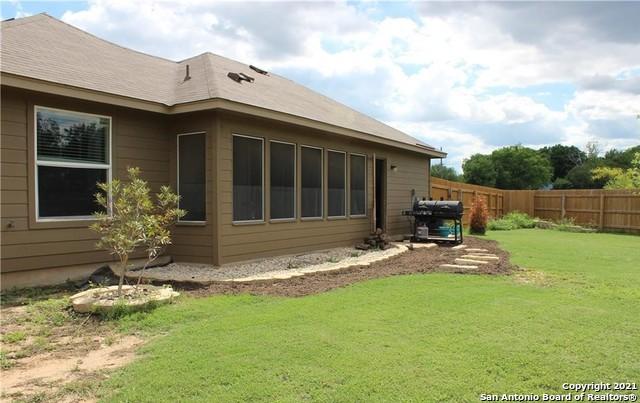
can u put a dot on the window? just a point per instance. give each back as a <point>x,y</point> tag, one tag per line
<point>72,156</point>
<point>192,176</point>
<point>311,178</point>
<point>358,184</point>
<point>247,178</point>
<point>337,181</point>
<point>283,178</point>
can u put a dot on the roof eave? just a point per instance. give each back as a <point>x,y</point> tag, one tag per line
<point>28,83</point>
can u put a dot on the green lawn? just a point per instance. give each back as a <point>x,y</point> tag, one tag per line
<point>434,337</point>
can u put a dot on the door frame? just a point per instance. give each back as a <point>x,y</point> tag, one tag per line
<point>379,203</point>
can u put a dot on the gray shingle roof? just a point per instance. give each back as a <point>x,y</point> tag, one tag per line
<point>48,49</point>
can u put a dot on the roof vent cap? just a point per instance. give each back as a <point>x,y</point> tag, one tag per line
<point>258,70</point>
<point>239,77</point>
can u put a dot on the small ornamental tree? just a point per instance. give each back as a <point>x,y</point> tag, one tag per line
<point>156,234</point>
<point>478,217</point>
<point>131,219</point>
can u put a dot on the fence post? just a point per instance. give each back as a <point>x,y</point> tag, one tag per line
<point>601,217</point>
<point>562,203</point>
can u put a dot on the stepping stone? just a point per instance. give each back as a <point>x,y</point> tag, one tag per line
<point>459,247</point>
<point>457,266</point>
<point>480,257</point>
<point>424,245</point>
<point>476,250</point>
<point>470,261</point>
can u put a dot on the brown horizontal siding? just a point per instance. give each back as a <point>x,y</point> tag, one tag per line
<point>27,245</point>
<point>248,241</point>
<point>195,243</point>
<point>13,183</point>
<point>14,142</point>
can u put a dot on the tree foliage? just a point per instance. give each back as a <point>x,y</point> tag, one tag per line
<point>479,170</point>
<point>581,177</point>
<point>618,178</point>
<point>519,167</point>
<point>563,159</point>
<point>444,172</point>
<point>133,220</point>
<point>563,167</point>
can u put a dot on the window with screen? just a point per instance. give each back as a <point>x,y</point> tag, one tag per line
<point>72,156</point>
<point>311,182</point>
<point>336,183</point>
<point>282,180</point>
<point>192,176</point>
<point>247,178</point>
<point>357,184</point>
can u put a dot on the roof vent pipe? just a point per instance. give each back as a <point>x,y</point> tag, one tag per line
<point>187,76</point>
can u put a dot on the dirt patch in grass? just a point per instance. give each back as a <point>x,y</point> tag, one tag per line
<point>50,353</point>
<point>416,261</point>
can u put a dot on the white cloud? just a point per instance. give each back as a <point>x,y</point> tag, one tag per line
<point>455,75</point>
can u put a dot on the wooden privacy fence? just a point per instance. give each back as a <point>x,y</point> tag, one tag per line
<point>449,190</point>
<point>603,209</point>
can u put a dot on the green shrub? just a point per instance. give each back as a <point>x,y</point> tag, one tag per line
<point>511,221</point>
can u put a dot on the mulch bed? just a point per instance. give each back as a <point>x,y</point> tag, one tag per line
<point>416,261</point>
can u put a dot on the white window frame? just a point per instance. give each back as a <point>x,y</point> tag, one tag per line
<point>178,176</point>
<point>322,183</point>
<point>295,182</point>
<point>66,164</point>
<point>366,161</point>
<point>346,187</point>
<point>261,221</point>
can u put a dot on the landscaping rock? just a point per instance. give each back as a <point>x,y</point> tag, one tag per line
<point>479,257</point>
<point>458,266</point>
<point>545,224</point>
<point>363,246</point>
<point>471,261</point>
<point>459,247</point>
<point>476,250</point>
<point>103,300</point>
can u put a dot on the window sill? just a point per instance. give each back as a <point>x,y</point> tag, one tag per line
<point>358,216</point>
<point>342,217</point>
<point>241,223</point>
<point>61,223</point>
<point>281,220</point>
<point>312,219</point>
<point>191,223</point>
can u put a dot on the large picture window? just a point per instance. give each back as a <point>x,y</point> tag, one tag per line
<point>248,178</point>
<point>311,179</point>
<point>192,176</point>
<point>282,180</point>
<point>336,183</point>
<point>358,184</point>
<point>72,156</point>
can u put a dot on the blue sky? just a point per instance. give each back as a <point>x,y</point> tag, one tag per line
<point>467,77</point>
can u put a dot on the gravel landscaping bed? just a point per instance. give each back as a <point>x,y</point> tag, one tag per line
<point>416,261</point>
<point>206,273</point>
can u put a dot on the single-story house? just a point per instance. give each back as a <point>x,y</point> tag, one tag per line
<point>264,166</point>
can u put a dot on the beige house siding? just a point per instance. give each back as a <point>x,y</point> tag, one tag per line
<point>39,253</point>
<point>195,242</point>
<point>138,139</point>
<point>242,241</point>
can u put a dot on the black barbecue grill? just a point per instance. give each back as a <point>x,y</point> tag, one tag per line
<point>430,219</point>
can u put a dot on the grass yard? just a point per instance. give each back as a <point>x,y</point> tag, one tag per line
<point>573,316</point>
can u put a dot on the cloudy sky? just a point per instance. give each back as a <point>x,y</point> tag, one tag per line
<point>467,77</point>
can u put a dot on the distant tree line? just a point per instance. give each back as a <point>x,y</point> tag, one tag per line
<point>557,167</point>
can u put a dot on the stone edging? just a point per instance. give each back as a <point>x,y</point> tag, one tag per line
<point>364,260</point>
